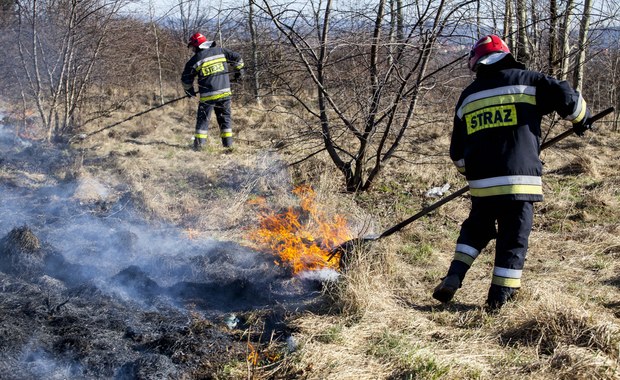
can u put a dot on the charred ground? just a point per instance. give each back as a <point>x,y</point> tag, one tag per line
<point>92,289</point>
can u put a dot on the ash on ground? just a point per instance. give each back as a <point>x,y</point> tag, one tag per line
<point>91,291</point>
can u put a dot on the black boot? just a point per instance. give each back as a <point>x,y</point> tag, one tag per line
<point>499,295</point>
<point>199,144</point>
<point>444,292</point>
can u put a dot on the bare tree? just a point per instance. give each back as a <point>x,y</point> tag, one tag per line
<point>523,45</point>
<point>584,28</point>
<point>365,101</point>
<point>192,17</point>
<point>565,39</point>
<point>508,25</point>
<point>552,60</point>
<point>155,30</point>
<point>254,39</point>
<point>397,32</point>
<point>59,46</point>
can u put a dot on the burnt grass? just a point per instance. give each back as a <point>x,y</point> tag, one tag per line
<point>82,333</point>
<point>59,325</point>
<point>89,292</point>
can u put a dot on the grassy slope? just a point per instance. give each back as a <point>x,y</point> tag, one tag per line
<point>384,323</point>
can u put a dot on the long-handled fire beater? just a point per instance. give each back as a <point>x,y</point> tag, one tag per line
<point>346,247</point>
<point>86,135</point>
<point>83,136</point>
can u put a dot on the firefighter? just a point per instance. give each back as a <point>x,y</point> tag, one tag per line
<point>211,65</point>
<point>496,145</point>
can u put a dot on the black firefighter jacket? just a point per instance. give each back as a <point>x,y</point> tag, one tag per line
<point>211,67</point>
<point>496,134</point>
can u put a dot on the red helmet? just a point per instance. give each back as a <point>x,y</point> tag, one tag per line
<point>485,46</point>
<point>196,40</point>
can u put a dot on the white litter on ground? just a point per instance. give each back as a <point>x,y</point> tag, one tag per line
<point>437,192</point>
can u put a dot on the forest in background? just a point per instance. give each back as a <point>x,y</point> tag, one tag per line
<point>365,74</point>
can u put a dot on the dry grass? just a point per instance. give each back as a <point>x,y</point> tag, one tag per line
<point>555,323</point>
<point>382,323</point>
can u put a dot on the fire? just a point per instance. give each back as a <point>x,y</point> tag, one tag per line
<point>192,234</point>
<point>253,355</point>
<point>302,237</point>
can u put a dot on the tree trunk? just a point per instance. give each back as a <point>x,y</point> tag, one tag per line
<point>478,20</point>
<point>375,95</point>
<point>510,40</point>
<point>255,72</point>
<point>352,181</point>
<point>523,44</point>
<point>583,41</point>
<point>565,36</point>
<point>535,40</point>
<point>553,38</point>
<point>392,33</point>
<point>157,53</point>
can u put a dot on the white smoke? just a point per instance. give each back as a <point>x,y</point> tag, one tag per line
<point>37,364</point>
<point>320,275</point>
<point>99,236</point>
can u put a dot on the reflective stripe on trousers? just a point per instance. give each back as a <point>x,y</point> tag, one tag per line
<point>223,115</point>
<point>510,223</point>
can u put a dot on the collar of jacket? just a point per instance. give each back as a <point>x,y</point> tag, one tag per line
<point>508,62</point>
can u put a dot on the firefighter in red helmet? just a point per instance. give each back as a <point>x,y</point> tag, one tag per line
<point>211,65</point>
<point>496,144</point>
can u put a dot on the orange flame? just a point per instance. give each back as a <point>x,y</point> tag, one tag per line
<point>192,233</point>
<point>302,245</point>
<point>253,355</point>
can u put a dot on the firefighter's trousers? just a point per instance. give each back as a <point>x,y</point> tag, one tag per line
<point>507,221</point>
<point>223,114</point>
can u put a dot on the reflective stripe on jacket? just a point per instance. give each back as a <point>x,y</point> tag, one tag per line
<point>496,133</point>
<point>212,68</point>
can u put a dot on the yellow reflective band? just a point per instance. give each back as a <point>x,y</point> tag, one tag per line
<point>217,60</point>
<point>240,66</point>
<point>201,136</point>
<point>507,282</point>
<point>496,97</point>
<point>213,58</point>
<point>579,111</point>
<point>212,67</point>
<point>458,256</point>
<point>581,115</point>
<point>506,189</point>
<point>491,117</point>
<point>498,101</point>
<point>461,169</point>
<point>215,97</point>
<point>226,134</point>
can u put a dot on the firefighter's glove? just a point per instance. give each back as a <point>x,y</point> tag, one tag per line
<point>237,76</point>
<point>190,92</point>
<point>581,127</point>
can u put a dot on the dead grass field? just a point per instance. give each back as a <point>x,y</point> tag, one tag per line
<point>383,323</point>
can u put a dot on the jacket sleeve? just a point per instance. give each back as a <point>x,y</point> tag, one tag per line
<point>457,144</point>
<point>234,59</point>
<point>187,78</point>
<point>559,96</point>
